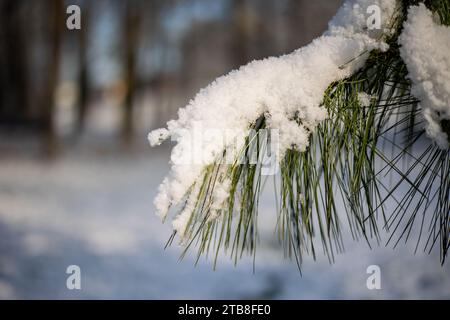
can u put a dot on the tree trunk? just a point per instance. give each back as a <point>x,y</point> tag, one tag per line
<point>14,106</point>
<point>83,81</point>
<point>132,23</point>
<point>239,39</point>
<point>56,29</point>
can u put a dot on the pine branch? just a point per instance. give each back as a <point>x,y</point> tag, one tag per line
<point>362,158</point>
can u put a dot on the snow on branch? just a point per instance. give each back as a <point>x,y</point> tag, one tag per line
<point>287,91</point>
<point>425,48</point>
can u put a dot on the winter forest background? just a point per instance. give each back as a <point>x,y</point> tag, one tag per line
<point>77,177</point>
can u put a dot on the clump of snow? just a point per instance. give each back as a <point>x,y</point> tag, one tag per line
<point>156,137</point>
<point>425,48</point>
<point>287,90</point>
<point>364,99</point>
<point>221,194</point>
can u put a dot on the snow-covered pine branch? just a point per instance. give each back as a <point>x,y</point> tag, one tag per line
<point>278,88</point>
<point>331,102</point>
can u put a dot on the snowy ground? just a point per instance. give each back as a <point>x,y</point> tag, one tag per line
<point>96,211</point>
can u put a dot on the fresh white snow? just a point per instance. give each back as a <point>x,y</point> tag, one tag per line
<point>425,48</point>
<point>364,99</point>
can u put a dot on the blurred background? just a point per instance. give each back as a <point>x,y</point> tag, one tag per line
<point>77,177</point>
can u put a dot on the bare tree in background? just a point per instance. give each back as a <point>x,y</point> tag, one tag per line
<point>239,12</point>
<point>14,106</point>
<point>132,24</point>
<point>56,27</point>
<point>295,23</point>
<point>83,81</point>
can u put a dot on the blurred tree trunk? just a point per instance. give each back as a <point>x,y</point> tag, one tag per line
<point>264,30</point>
<point>296,10</point>
<point>239,39</point>
<point>83,81</point>
<point>14,103</point>
<point>56,27</point>
<point>156,83</point>
<point>132,23</point>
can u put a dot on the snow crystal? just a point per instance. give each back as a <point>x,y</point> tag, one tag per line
<point>425,47</point>
<point>282,89</point>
